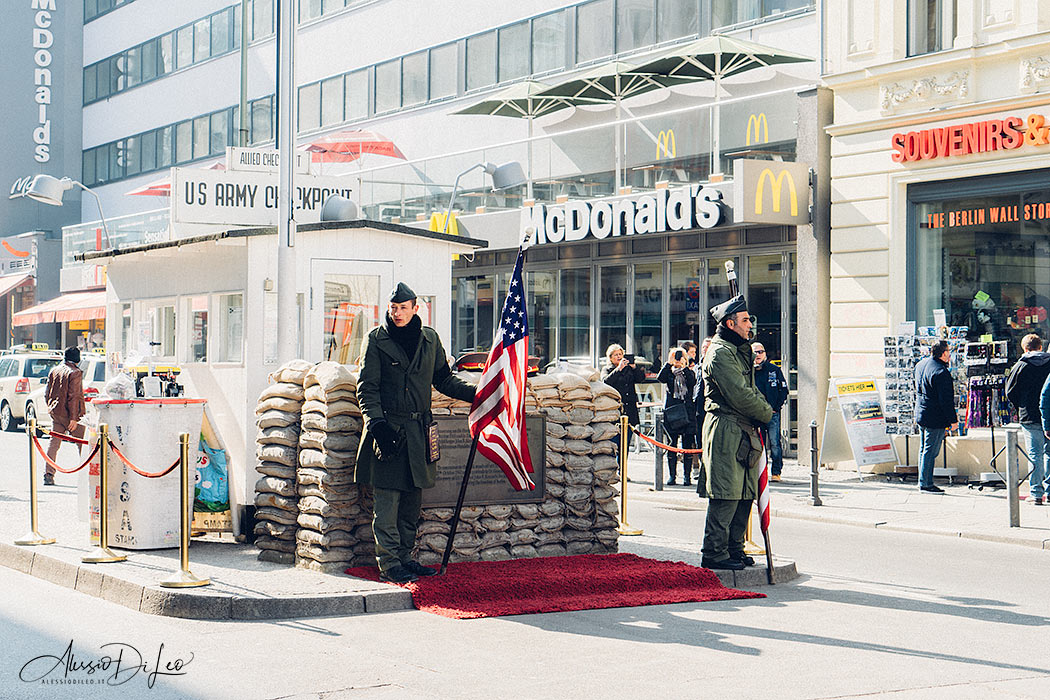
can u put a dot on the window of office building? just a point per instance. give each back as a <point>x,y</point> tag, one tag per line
<point>481,60</point>
<point>931,25</point>
<point>677,18</point>
<point>414,79</point>
<point>594,30</point>
<point>388,86</point>
<point>634,24</point>
<point>726,12</point>
<point>444,71</point>
<point>548,42</point>
<point>357,95</point>
<point>202,137</point>
<point>982,248</point>
<point>574,331</point>
<point>332,100</point>
<point>514,51</point>
<point>309,9</point>
<point>309,106</point>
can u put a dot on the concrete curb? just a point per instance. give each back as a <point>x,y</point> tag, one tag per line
<point>196,604</point>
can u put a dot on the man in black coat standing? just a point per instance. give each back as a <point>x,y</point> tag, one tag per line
<point>1023,388</point>
<point>770,381</point>
<point>934,409</point>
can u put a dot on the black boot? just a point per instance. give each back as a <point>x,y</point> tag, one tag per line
<point>672,470</point>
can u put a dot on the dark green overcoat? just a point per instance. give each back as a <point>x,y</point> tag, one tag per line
<point>396,387</point>
<point>733,406</point>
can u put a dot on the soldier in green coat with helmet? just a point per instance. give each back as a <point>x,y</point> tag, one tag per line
<point>402,360</point>
<point>731,446</point>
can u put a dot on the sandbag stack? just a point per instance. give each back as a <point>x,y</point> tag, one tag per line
<point>334,513</point>
<point>276,499</point>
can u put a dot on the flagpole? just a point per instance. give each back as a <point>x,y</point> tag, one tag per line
<point>459,506</point>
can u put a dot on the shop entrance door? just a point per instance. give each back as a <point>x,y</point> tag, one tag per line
<point>346,302</point>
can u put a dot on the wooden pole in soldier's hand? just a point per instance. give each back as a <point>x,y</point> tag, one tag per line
<point>459,506</point>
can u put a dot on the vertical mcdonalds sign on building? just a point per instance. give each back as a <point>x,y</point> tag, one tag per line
<point>42,87</point>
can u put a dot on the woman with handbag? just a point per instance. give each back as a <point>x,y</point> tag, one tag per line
<point>679,412</point>
<point>622,374</point>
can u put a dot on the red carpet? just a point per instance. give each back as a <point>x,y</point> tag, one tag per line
<point>558,584</point>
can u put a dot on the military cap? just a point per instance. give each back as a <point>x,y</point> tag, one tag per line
<point>402,292</point>
<point>727,308</point>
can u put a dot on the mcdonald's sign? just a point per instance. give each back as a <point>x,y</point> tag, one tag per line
<point>665,142</point>
<point>758,125</point>
<point>770,192</point>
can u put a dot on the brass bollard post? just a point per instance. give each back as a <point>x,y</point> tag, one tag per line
<point>33,537</point>
<point>624,528</point>
<point>750,547</point>
<point>102,554</point>
<point>814,465</point>
<point>184,578</point>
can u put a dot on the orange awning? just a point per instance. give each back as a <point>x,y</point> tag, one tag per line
<point>76,306</point>
<point>9,283</point>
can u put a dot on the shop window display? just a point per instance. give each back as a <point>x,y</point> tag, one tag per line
<point>986,261</point>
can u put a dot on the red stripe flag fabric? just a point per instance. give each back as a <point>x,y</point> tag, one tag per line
<point>763,489</point>
<point>497,416</point>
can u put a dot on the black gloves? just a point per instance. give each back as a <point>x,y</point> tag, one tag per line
<point>387,439</point>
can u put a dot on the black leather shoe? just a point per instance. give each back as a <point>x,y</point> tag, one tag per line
<point>418,569</point>
<point>397,574</point>
<point>931,489</point>
<point>730,564</point>
<point>49,480</point>
<point>672,482</point>
<point>744,559</point>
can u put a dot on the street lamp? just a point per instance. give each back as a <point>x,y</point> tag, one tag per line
<point>503,177</point>
<point>49,190</point>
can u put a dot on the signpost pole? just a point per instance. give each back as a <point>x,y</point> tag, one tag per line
<point>287,313</point>
<point>459,506</point>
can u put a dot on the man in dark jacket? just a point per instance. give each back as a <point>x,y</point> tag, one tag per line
<point>770,381</point>
<point>934,409</point>
<point>65,403</point>
<point>1023,388</point>
<point>402,360</point>
<point>698,403</point>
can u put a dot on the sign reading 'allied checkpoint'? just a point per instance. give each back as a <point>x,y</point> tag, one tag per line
<point>246,198</point>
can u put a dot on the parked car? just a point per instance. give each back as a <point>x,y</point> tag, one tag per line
<point>94,369</point>
<point>20,375</point>
<point>475,362</point>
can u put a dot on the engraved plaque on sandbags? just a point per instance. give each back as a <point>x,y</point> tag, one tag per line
<point>488,484</point>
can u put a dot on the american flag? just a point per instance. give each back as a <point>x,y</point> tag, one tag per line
<point>497,417</point>
<point>763,489</point>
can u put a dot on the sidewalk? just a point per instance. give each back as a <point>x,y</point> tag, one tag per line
<point>877,502</point>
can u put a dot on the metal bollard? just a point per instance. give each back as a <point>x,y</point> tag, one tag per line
<point>1011,478</point>
<point>102,554</point>
<point>814,466</point>
<point>624,528</point>
<point>184,578</point>
<point>658,454</point>
<point>33,536</point>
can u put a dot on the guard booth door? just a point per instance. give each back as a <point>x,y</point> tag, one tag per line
<point>347,300</point>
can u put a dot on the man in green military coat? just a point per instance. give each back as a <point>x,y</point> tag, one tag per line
<point>730,442</point>
<point>402,360</point>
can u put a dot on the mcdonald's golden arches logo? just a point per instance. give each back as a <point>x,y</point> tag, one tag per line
<point>665,142</point>
<point>775,187</point>
<point>758,125</point>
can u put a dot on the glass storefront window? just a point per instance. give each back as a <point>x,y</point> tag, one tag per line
<point>612,308</point>
<point>162,328</point>
<point>763,301</point>
<point>463,315</point>
<point>983,259</point>
<point>541,302</point>
<point>231,328</point>
<point>687,284</point>
<point>485,312</point>
<point>717,287</point>
<point>648,312</point>
<point>574,332</point>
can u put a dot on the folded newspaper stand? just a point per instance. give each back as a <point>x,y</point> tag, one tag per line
<point>144,435</point>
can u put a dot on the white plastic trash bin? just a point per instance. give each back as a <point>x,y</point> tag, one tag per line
<point>143,511</point>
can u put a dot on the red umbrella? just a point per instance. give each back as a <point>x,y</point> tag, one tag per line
<point>347,146</point>
<point>162,188</point>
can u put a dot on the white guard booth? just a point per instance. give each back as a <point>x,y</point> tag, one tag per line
<point>209,304</point>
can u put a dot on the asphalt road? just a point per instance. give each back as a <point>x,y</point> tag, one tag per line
<point>875,614</point>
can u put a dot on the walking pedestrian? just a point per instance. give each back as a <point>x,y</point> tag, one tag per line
<point>770,381</point>
<point>402,360</point>
<point>731,446</point>
<point>934,409</point>
<point>65,404</point>
<point>679,415</point>
<point>1024,386</point>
